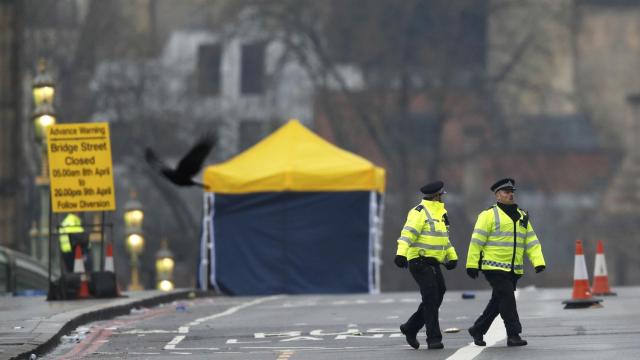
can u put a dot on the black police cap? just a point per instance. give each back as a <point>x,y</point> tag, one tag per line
<point>433,189</point>
<point>504,184</point>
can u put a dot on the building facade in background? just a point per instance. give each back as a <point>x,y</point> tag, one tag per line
<point>12,224</point>
<point>161,73</point>
<point>568,97</point>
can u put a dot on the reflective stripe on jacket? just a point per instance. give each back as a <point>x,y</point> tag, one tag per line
<point>72,224</point>
<point>425,233</point>
<point>501,243</point>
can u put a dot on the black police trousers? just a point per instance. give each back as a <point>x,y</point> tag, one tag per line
<point>503,302</point>
<point>426,272</point>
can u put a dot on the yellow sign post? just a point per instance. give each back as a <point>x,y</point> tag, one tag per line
<point>80,167</point>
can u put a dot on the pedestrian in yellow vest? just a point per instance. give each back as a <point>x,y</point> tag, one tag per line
<point>424,245</point>
<point>72,234</point>
<point>503,234</point>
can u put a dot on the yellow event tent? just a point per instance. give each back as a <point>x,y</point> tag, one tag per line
<point>292,214</point>
<point>294,159</point>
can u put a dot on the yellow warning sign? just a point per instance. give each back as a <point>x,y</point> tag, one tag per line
<point>80,167</point>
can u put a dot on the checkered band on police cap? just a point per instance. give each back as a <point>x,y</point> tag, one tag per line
<point>504,184</point>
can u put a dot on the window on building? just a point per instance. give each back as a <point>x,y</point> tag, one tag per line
<point>252,72</point>
<point>209,56</point>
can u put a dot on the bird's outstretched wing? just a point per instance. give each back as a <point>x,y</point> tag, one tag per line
<point>153,160</point>
<point>188,166</point>
<point>192,162</point>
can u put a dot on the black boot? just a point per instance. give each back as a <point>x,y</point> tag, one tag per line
<point>477,336</point>
<point>434,345</point>
<point>411,339</point>
<point>516,340</point>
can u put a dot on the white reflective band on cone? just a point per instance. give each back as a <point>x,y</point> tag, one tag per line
<point>600,268</point>
<point>580,268</point>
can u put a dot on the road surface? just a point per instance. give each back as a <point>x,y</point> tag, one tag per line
<point>357,327</point>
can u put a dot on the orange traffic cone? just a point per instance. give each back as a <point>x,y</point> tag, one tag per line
<point>108,266</point>
<point>581,297</point>
<point>108,261</point>
<point>600,276</point>
<point>78,268</point>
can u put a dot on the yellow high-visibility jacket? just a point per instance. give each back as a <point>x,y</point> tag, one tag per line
<point>72,224</point>
<point>499,243</point>
<point>426,233</point>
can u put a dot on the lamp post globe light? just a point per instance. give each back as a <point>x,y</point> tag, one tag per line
<point>165,264</point>
<point>43,89</point>
<point>133,213</point>
<point>133,217</point>
<point>135,243</point>
<point>43,117</point>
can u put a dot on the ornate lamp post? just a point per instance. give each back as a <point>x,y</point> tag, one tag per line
<point>44,90</point>
<point>133,217</point>
<point>43,116</point>
<point>164,267</point>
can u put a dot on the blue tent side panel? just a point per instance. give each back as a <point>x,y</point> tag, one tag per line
<point>292,242</point>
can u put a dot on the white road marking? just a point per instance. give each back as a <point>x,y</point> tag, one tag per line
<point>344,337</point>
<point>262,335</point>
<point>302,338</point>
<point>496,333</point>
<point>235,341</point>
<point>232,310</point>
<point>320,332</point>
<point>304,303</point>
<point>382,330</point>
<point>171,345</point>
<point>175,341</point>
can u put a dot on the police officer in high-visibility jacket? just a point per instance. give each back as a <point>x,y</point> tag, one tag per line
<point>424,245</point>
<point>503,234</point>
<point>71,234</point>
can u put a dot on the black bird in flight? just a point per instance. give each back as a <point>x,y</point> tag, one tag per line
<point>188,166</point>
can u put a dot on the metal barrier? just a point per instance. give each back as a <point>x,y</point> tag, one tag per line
<point>20,273</point>
<point>8,262</point>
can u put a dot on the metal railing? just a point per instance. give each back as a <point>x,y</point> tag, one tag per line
<point>20,272</point>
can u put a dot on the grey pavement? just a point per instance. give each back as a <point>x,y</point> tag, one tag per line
<point>33,325</point>
<point>359,326</point>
